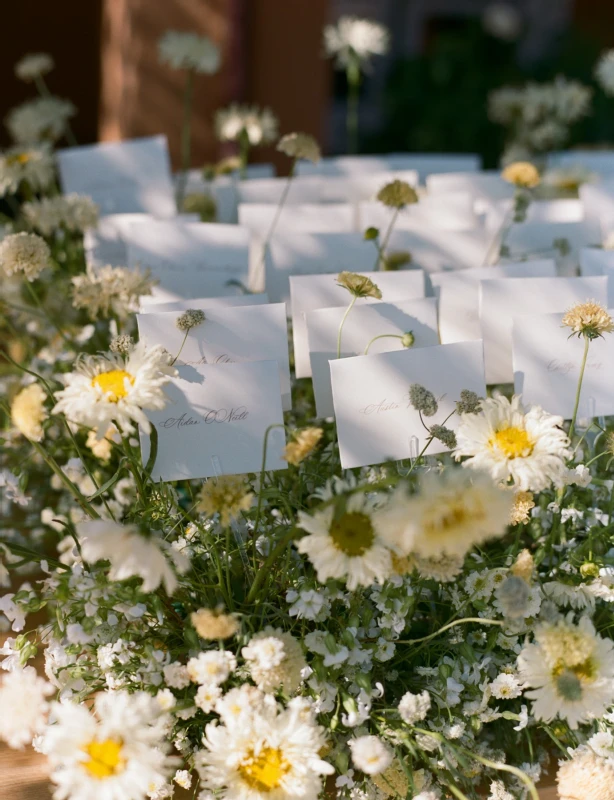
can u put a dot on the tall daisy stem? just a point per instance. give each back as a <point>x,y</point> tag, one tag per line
<point>186,139</point>
<point>574,416</point>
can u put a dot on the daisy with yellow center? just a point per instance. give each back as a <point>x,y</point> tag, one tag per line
<point>521,174</point>
<point>527,449</point>
<point>227,496</point>
<point>267,752</point>
<point>116,389</point>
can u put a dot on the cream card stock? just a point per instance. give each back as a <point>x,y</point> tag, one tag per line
<point>531,238</point>
<point>502,300</point>
<point>333,217</point>
<point>547,367</point>
<point>423,163</point>
<point>310,292</point>
<point>121,177</point>
<point>151,305</point>
<point>387,321</point>
<point>594,260</point>
<point>376,422</point>
<point>459,295</point>
<point>454,212</point>
<point>228,335</point>
<point>215,422</point>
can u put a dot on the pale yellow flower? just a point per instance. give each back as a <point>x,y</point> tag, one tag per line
<point>211,623</point>
<point>521,510</point>
<point>359,285</point>
<point>522,174</point>
<point>524,566</point>
<point>300,145</point>
<point>226,496</point>
<point>588,319</point>
<point>397,194</point>
<point>102,448</point>
<point>304,443</point>
<point>587,776</point>
<point>28,412</point>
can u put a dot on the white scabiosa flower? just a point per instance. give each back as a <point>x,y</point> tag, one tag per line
<point>131,554</point>
<point>42,119</point>
<point>23,165</point>
<point>370,754</point>
<point>270,752</point>
<point>23,700</point>
<point>110,389</point>
<point>604,72</point>
<point>33,66</point>
<point>570,671</point>
<point>505,687</point>
<point>275,660</point>
<point>211,667</point>
<point>414,707</point>
<point>72,212</point>
<point>352,38</point>
<point>119,751</point>
<point>189,51</point>
<point>586,776</point>
<point>346,543</point>
<point>24,253</point>
<point>259,125</point>
<point>108,290</point>
<point>528,449</point>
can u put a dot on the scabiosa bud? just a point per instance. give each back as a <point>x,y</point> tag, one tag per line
<point>370,234</point>
<point>445,435</point>
<point>190,319</point>
<point>121,344</point>
<point>423,400</point>
<point>395,260</point>
<point>469,402</point>
<point>408,339</point>
<point>397,194</point>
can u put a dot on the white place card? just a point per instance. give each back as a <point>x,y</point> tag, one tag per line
<point>216,420</point>
<point>375,420</point>
<point>423,163</point>
<point>547,367</point>
<point>333,217</point>
<point>223,188</point>
<point>311,292</point>
<point>536,239</point>
<point>187,257</point>
<point>453,212</point>
<point>271,190</point>
<point>227,336</point>
<point>385,320</point>
<point>151,305</point>
<point>502,300</point>
<point>486,188</point>
<point>595,260</point>
<point>121,177</point>
<point>459,295</point>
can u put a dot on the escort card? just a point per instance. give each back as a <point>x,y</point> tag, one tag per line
<point>151,305</point>
<point>547,367</point>
<point>502,300</point>
<point>363,325</point>
<point>191,259</point>
<point>423,163</point>
<point>310,292</point>
<point>595,260</point>
<point>375,420</point>
<point>333,217</point>
<point>121,177</point>
<point>533,238</point>
<point>459,295</point>
<point>216,420</point>
<point>227,336</point>
<point>452,212</point>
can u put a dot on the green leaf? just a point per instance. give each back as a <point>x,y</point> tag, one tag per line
<point>110,483</point>
<point>153,452</point>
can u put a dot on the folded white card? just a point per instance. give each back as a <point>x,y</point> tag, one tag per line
<point>375,420</point>
<point>594,260</point>
<point>547,367</point>
<point>151,305</point>
<point>459,295</point>
<point>453,212</point>
<point>333,217</point>
<point>486,188</point>
<point>423,163</point>
<point>215,422</point>
<point>310,292</point>
<point>223,188</point>
<point>387,321</point>
<point>502,300</point>
<point>227,336</point>
<point>121,177</point>
<point>540,239</point>
<point>187,257</point>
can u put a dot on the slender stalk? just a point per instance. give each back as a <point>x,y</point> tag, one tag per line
<point>452,624</point>
<point>382,336</point>
<point>43,90</point>
<point>262,475</point>
<point>186,138</point>
<point>44,311</point>
<point>275,220</point>
<point>382,248</point>
<point>72,488</point>
<point>342,323</point>
<point>353,78</point>
<point>264,571</point>
<point>181,348</point>
<point>574,416</point>
<point>243,153</point>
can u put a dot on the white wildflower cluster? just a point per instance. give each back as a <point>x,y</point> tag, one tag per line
<point>189,51</point>
<point>73,212</point>
<point>259,126</point>
<point>353,38</point>
<point>42,120</point>
<point>108,290</point>
<point>26,166</point>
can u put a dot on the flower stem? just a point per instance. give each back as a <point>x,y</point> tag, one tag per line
<point>262,473</point>
<point>353,78</point>
<point>574,416</point>
<point>72,488</point>
<point>186,138</point>
<point>452,624</point>
<point>342,323</point>
<point>382,248</point>
<point>181,348</point>
<point>243,153</point>
<point>275,220</point>
<point>262,573</point>
<point>382,336</point>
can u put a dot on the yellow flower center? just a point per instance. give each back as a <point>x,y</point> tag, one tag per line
<point>512,442</point>
<point>105,758</point>
<point>585,672</point>
<point>113,383</point>
<point>264,771</point>
<point>18,158</point>
<point>352,533</point>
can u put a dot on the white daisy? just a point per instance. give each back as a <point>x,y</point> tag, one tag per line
<point>23,700</point>
<point>352,38</point>
<point>115,753</point>
<point>239,701</point>
<point>505,687</point>
<point>189,51</point>
<point>44,118</point>
<point>131,554</point>
<point>370,754</point>
<point>275,660</point>
<point>414,707</point>
<point>211,667</point>
<point>346,543</point>
<point>259,125</point>
<point>32,166</point>
<point>527,448</point>
<point>110,389</point>
<point>269,753</point>
<point>570,670</point>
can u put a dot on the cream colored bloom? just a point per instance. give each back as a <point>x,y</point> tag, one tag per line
<point>529,449</point>
<point>358,285</point>
<point>352,38</point>
<point>33,66</point>
<point>586,776</point>
<point>370,755</point>
<point>23,700</point>
<point>275,661</point>
<point>588,319</point>
<point>28,411</point>
<point>300,145</point>
<point>111,290</point>
<point>24,253</point>
<point>102,448</point>
<point>451,513</point>
<point>524,566</point>
<point>73,212</point>
<point>42,119</point>
<point>604,72</point>
<point>305,442</point>
<point>227,496</point>
<point>110,388</point>
<point>397,194</point>
<point>522,174</point>
<point>214,623</point>
<point>259,125</point>
<point>521,510</point>
<point>189,51</point>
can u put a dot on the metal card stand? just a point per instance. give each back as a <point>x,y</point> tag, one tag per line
<point>217,470</point>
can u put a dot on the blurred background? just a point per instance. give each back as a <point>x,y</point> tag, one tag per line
<point>428,94</point>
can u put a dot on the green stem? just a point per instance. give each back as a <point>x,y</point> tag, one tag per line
<point>262,475</point>
<point>353,78</point>
<point>342,323</point>
<point>275,220</point>
<point>186,139</point>
<point>48,316</point>
<point>452,624</point>
<point>72,488</point>
<point>264,571</point>
<point>243,153</point>
<point>572,426</point>
<point>384,244</point>
<point>382,336</point>
<point>181,348</point>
